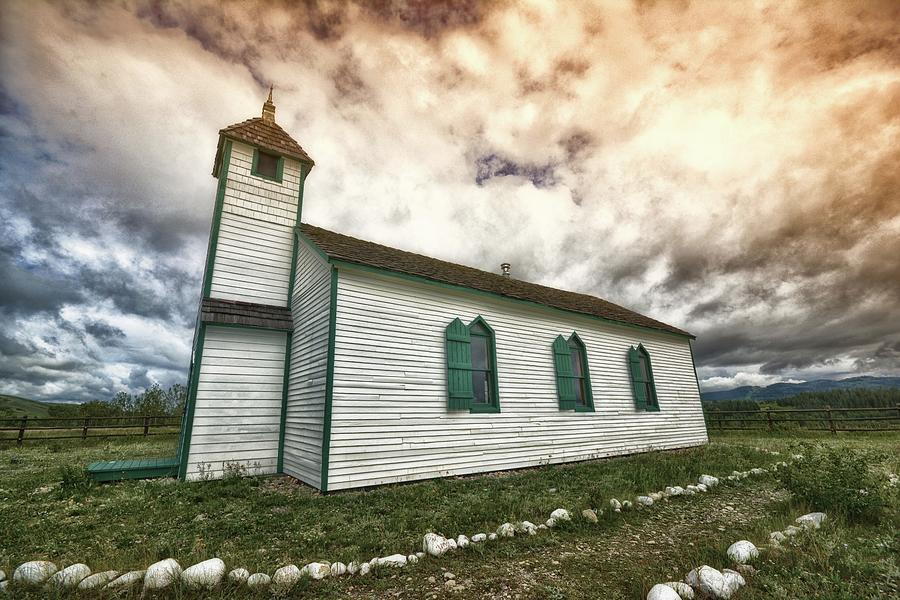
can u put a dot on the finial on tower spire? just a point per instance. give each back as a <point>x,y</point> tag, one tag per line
<point>268,110</point>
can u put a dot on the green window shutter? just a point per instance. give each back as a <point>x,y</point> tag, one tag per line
<point>637,379</point>
<point>565,384</point>
<point>459,367</point>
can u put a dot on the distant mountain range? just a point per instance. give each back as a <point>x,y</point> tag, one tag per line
<point>783,390</point>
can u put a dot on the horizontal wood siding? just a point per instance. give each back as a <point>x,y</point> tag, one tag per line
<point>390,420</point>
<point>237,415</point>
<point>306,388</point>
<point>255,245</point>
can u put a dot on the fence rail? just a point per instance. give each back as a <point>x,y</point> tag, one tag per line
<point>811,419</point>
<point>44,429</point>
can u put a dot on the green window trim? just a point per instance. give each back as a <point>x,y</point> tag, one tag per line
<point>460,385</point>
<point>642,382</point>
<point>279,168</point>
<point>567,379</point>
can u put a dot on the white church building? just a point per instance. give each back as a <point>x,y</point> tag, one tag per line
<point>345,363</point>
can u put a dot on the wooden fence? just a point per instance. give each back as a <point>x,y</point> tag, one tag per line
<point>23,429</point>
<point>811,419</point>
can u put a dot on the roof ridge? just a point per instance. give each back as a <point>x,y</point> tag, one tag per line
<point>500,285</point>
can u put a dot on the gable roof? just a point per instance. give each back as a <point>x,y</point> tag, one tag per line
<point>360,252</point>
<point>264,134</point>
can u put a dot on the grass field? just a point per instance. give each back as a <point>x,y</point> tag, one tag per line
<point>16,407</point>
<point>47,511</point>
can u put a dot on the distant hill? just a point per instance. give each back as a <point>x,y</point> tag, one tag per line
<point>14,406</point>
<point>784,390</point>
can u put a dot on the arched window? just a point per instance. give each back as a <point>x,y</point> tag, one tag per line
<point>642,382</point>
<point>472,367</point>
<point>573,378</point>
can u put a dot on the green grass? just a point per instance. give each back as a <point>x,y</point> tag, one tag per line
<point>16,407</point>
<point>264,523</point>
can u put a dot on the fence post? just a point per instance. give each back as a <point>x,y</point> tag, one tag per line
<point>146,425</point>
<point>830,419</point>
<point>720,421</point>
<point>22,430</point>
<point>84,428</point>
<point>769,418</point>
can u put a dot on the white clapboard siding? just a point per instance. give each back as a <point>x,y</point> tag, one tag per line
<point>309,354</point>
<point>237,415</point>
<point>255,243</point>
<point>390,420</point>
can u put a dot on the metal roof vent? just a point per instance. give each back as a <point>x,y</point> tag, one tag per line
<point>505,268</point>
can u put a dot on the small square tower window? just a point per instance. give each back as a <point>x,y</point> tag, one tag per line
<point>267,165</point>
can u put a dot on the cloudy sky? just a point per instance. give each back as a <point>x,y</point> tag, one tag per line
<point>732,168</point>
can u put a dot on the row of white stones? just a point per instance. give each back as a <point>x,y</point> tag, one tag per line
<point>713,584</point>
<point>210,573</point>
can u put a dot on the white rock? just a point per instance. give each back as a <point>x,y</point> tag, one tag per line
<point>679,491</point>
<point>462,541</point>
<point>92,582</point>
<point>543,526</point>
<point>670,491</point>
<point>420,555</point>
<point>742,552</point>
<point>615,504</point>
<point>207,574</point>
<point>436,545</point>
<point>644,500</point>
<point>626,505</point>
<point>791,530</point>
<point>34,572</point>
<point>709,481</point>
<point>527,527</point>
<point>733,582</point>
<point>684,591</point>
<point>691,489</point>
<point>811,521</point>
<point>365,569</point>
<point>394,560</point>
<point>478,538</point>
<point>657,496</point>
<point>125,580</point>
<point>776,537</point>
<point>317,570</point>
<point>662,592</point>
<point>561,514</point>
<point>492,536</point>
<point>258,580</point>
<point>411,559</point>
<point>353,567</point>
<point>162,574</point>
<point>708,581</point>
<point>71,576</point>
<point>239,575</point>
<point>702,487</point>
<point>339,568</point>
<point>757,471</point>
<point>286,577</point>
<point>506,530</point>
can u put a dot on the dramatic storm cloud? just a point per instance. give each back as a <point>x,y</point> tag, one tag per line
<point>731,168</point>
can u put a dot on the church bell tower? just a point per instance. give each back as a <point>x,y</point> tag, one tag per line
<point>234,416</point>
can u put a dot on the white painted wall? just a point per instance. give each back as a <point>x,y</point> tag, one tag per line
<point>389,417</point>
<point>309,354</point>
<point>237,416</point>
<point>255,246</point>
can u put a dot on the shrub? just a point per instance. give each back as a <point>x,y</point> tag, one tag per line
<point>74,479</point>
<point>837,479</point>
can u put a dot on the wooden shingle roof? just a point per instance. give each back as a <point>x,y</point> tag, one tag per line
<point>352,250</point>
<point>266,134</point>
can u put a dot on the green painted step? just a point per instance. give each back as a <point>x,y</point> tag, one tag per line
<point>143,468</point>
